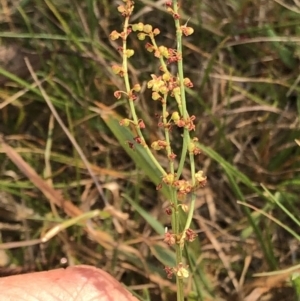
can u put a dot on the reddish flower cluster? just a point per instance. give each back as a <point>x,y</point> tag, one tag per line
<point>159,144</point>
<point>183,187</point>
<point>169,272</point>
<point>170,238</point>
<point>127,9</point>
<point>190,235</point>
<point>187,123</point>
<point>173,56</point>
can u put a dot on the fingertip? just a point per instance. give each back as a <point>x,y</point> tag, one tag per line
<point>73,283</point>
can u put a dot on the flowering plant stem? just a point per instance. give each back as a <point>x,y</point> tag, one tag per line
<point>131,101</point>
<point>186,134</point>
<point>164,88</point>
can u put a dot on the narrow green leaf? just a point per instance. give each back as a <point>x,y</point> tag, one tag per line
<point>138,153</point>
<point>154,223</point>
<point>165,255</point>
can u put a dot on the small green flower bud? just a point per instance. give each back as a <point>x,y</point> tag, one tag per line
<point>175,116</point>
<point>150,84</point>
<point>187,31</point>
<point>176,91</point>
<point>156,96</point>
<point>121,9</point>
<point>114,35</point>
<point>187,82</point>
<point>159,144</point>
<point>199,176</point>
<point>164,51</point>
<point>163,89</point>
<point>148,28</point>
<point>136,88</point>
<point>129,52</point>
<point>116,69</point>
<point>155,145</point>
<point>141,36</point>
<point>169,178</point>
<point>191,147</point>
<point>138,26</point>
<point>165,115</point>
<point>125,122</point>
<point>182,273</point>
<point>166,76</point>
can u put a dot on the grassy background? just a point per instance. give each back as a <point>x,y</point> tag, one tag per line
<point>243,60</point>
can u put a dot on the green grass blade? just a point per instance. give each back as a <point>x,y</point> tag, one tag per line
<point>233,174</point>
<point>138,154</point>
<point>154,223</point>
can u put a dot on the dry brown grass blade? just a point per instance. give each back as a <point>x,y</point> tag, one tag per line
<point>10,99</point>
<point>96,169</point>
<point>51,194</point>
<point>255,289</point>
<point>224,258</point>
<point>108,207</point>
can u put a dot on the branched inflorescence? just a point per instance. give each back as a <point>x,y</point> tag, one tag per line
<point>165,88</point>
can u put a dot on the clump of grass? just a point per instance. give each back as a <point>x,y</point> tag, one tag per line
<point>241,59</point>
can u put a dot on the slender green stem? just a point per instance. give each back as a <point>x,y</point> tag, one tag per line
<point>167,134</point>
<point>179,280</point>
<point>186,134</point>
<point>186,140</point>
<point>182,100</point>
<point>186,137</point>
<point>193,199</point>
<point>180,62</point>
<point>131,101</point>
<point>180,97</point>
